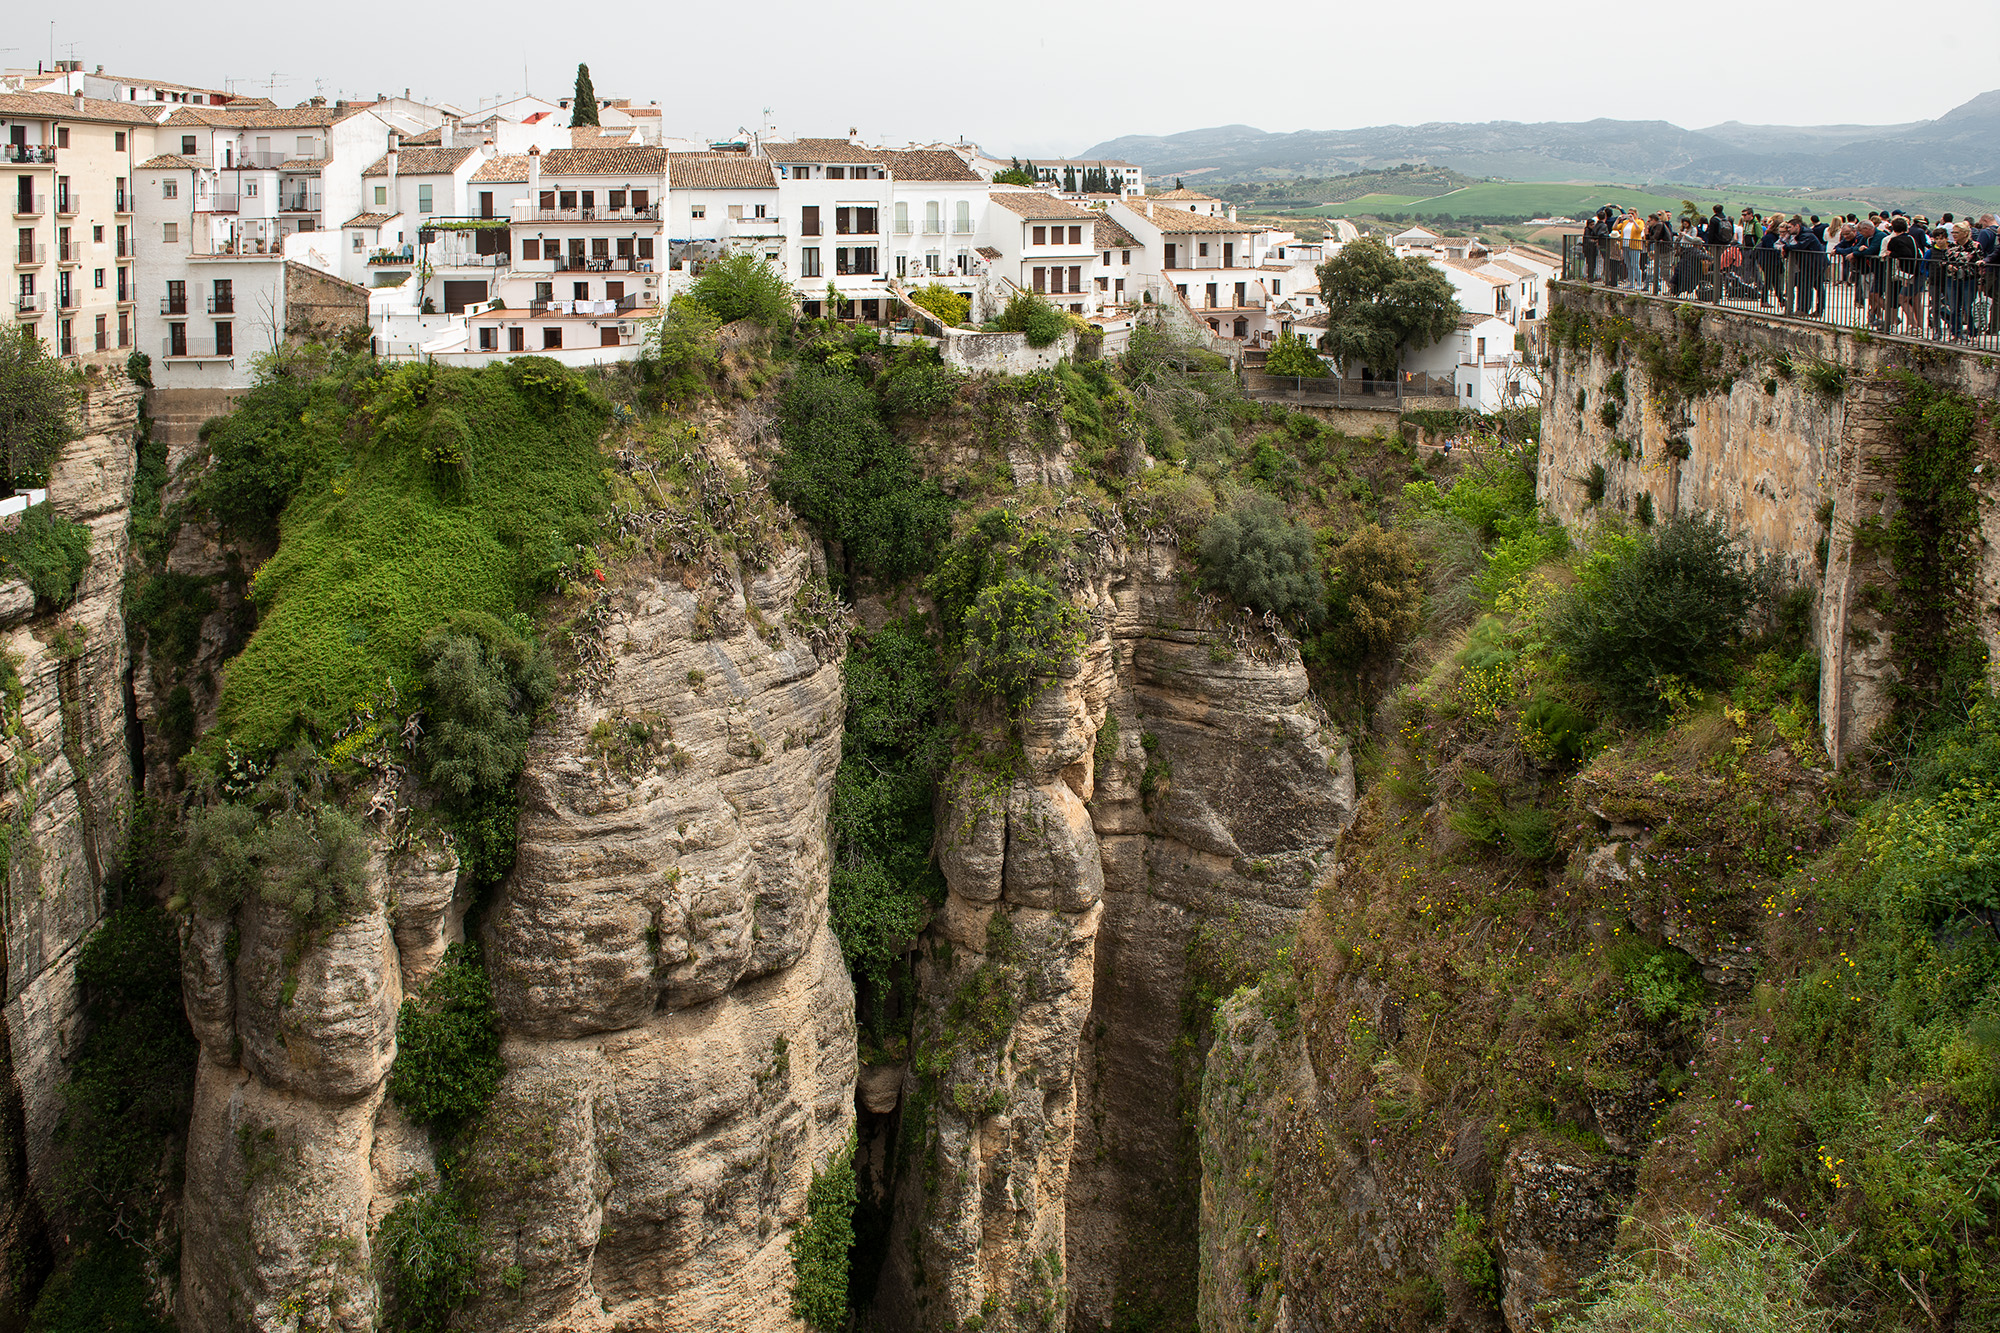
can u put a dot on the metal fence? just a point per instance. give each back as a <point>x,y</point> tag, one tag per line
<point>1925,299</point>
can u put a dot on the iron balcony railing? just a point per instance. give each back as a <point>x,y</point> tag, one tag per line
<point>173,305</point>
<point>299,201</point>
<point>66,298</point>
<point>31,303</point>
<point>30,206</point>
<point>121,202</point>
<point>1933,299</point>
<point>650,213</point>
<point>31,254</point>
<point>70,252</point>
<point>222,305</point>
<point>192,347</point>
<point>68,203</point>
<point>25,153</point>
<point>258,161</point>
<point>218,203</point>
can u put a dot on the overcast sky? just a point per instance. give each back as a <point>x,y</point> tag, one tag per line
<point>1053,76</point>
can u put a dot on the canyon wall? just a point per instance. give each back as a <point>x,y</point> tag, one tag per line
<point>64,804</point>
<point>1791,443</point>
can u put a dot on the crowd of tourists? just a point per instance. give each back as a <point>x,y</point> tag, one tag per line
<point>1902,274</point>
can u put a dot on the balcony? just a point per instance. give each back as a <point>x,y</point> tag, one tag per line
<point>68,203</point>
<point>222,305</point>
<point>173,305</point>
<point>26,256</point>
<point>121,202</point>
<point>70,253</point>
<point>66,300</point>
<point>27,154</point>
<point>31,303</point>
<point>299,201</point>
<point>650,213</point>
<point>260,161</point>
<point>403,258</point>
<point>124,250</point>
<point>578,264</point>
<point>30,206</point>
<point>218,203</point>
<point>191,349</point>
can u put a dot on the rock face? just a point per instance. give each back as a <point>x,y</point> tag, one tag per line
<point>66,797</point>
<point>680,1046</point>
<point>1166,781</point>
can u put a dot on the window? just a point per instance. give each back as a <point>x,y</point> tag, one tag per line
<point>645,247</point>
<point>423,198</point>
<point>836,173</point>
<point>170,233</point>
<point>698,212</point>
<point>381,195</point>
<point>902,266</point>
<point>489,340</point>
<point>1041,276</point>
<point>118,141</point>
<point>305,145</point>
<point>565,198</point>
<point>103,334</point>
<point>545,291</point>
<point>736,212</point>
<point>625,247</point>
<point>600,247</point>
<point>579,291</point>
<point>62,136</point>
<point>1124,256</point>
<point>517,340</point>
<point>1202,250</point>
<point>760,210</point>
<point>639,198</point>
<point>614,198</point>
<point>902,218</point>
<point>97,234</point>
<point>1181,287</point>
<point>357,242</point>
<point>933,217</point>
<point>1076,277</point>
<point>552,337</point>
<point>170,189</point>
<point>531,249</point>
<point>1276,287</point>
<point>225,340</point>
<point>486,203</point>
<point>1241,297</point>
<point>809,222</point>
<point>97,278</point>
<point>249,189</point>
<point>1107,259</point>
<point>931,261</point>
<point>1482,348</point>
<point>1211,294</point>
<point>961,223</point>
<point>1040,236</point>
<point>1076,236</point>
<point>809,259</point>
<point>187,145</point>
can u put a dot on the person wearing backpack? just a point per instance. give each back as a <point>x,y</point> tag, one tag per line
<point>1590,243</point>
<point>1719,231</point>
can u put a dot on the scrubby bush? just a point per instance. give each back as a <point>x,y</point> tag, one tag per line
<point>681,347</point>
<point>261,453</point>
<point>918,382</point>
<point>1257,557</point>
<point>1744,1276</point>
<point>448,1044</point>
<point>49,552</point>
<point>857,484</point>
<point>484,682</point>
<point>1018,633</point>
<point>1293,355</point>
<point>1377,593</point>
<point>312,861</point>
<point>943,302</point>
<point>1031,314</point>
<point>742,286</point>
<point>820,1246</point>
<point>428,1249</point>
<point>38,401</point>
<point>1663,607</point>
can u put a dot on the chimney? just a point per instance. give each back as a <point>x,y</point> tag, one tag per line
<point>395,141</point>
<point>853,135</point>
<point>100,69</point>
<point>79,104</point>
<point>1232,212</point>
<point>534,175</point>
<point>445,133</point>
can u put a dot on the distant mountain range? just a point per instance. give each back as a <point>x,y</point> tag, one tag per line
<point>1961,147</point>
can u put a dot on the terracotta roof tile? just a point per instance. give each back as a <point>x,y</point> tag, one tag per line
<point>925,164</point>
<point>987,252</point>
<point>720,171</point>
<point>421,162</point>
<point>262,118</point>
<point>1038,207</point>
<point>623,160</point>
<point>1180,222</point>
<point>368,219</point>
<point>1111,236</point>
<point>1185,194</point>
<point>25,105</point>
<point>821,150</point>
<point>505,167</point>
<point>169,162</point>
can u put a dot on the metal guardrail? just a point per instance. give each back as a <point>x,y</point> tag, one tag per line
<point>26,153</point>
<point>1306,389</point>
<point>1925,299</point>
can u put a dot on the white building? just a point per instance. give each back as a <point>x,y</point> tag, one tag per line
<point>1077,175</point>
<point>1043,245</point>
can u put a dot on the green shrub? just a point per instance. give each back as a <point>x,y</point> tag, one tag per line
<point>1486,818</point>
<point>1745,1276</point>
<point>49,552</point>
<point>1666,983</point>
<point>1293,355</point>
<point>139,368</point>
<point>38,409</point>
<point>1377,593</point>
<point>102,1288</point>
<point>740,285</point>
<point>483,683</point>
<point>1594,483</point>
<point>821,1244</point>
<point>943,302</point>
<point>129,1080</point>
<point>284,429</point>
<point>1031,314</point>
<point>1663,607</point>
<point>1257,557</point>
<point>918,382</point>
<point>448,1044</point>
<point>428,1251</point>
<point>852,480</point>
<point>1018,633</point>
<point>311,861</point>
<point>682,348</point>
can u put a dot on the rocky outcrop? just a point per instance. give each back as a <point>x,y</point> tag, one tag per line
<point>679,1027</point>
<point>65,800</point>
<point>1174,775</point>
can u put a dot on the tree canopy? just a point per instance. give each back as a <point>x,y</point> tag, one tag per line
<point>1293,355</point>
<point>1377,303</point>
<point>583,106</point>
<point>38,401</point>
<point>1015,174</point>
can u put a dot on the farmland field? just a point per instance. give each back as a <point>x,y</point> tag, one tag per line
<point>1499,199</point>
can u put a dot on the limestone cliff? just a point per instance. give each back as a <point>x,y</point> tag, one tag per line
<point>1175,776</point>
<point>66,800</point>
<point>679,1048</point>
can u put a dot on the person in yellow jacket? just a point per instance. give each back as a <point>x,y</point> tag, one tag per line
<point>1631,233</point>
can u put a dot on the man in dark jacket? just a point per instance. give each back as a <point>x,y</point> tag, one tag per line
<point>1719,231</point>
<point>1805,259</point>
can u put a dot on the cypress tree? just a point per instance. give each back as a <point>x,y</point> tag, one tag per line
<point>583,107</point>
